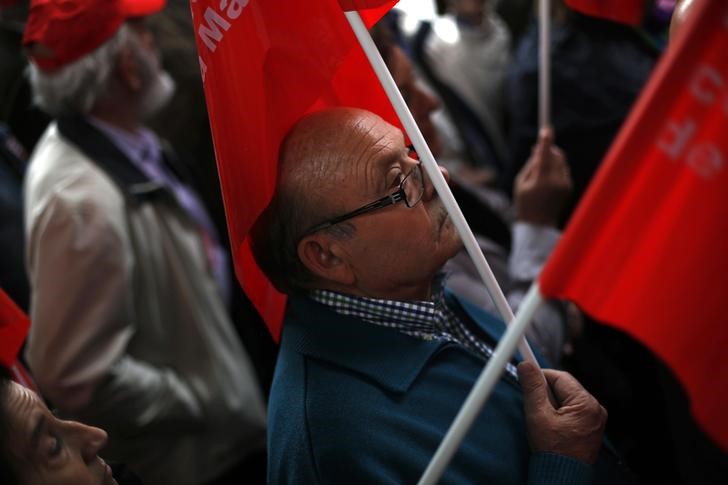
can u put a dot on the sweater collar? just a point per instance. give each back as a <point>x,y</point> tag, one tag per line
<point>385,355</point>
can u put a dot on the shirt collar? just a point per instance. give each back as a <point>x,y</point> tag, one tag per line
<point>419,318</point>
<point>426,320</point>
<point>140,147</point>
<point>388,313</point>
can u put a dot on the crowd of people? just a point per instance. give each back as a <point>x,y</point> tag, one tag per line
<point>145,350</point>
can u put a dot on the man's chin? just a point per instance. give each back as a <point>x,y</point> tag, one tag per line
<point>448,236</point>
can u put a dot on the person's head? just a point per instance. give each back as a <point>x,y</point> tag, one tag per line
<point>88,56</point>
<point>36,448</point>
<point>470,12</point>
<point>419,100</point>
<point>334,162</point>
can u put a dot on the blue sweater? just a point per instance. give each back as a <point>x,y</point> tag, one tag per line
<point>354,402</point>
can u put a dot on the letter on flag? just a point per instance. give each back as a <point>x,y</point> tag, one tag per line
<point>628,12</point>
<point>265,64</point>
<point>647,249</point>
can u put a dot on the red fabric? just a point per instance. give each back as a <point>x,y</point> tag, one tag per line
<point>69,29</point>
<point>20,374</point>
<point>623,11</point>
<point>265,64</point>
<point>646,249</point>
<point>369,10</point>
<point>14,326</point>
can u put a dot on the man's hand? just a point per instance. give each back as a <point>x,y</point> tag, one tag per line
<point>574,428</point>
<point>544,184</point>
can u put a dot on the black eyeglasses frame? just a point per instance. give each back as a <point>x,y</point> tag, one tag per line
<point>391,199</point>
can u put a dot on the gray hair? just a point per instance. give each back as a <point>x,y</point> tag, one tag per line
<point>75,88</point>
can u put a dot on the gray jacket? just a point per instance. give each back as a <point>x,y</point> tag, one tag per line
<point>129,331</point>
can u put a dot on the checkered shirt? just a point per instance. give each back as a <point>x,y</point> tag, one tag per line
<point>426,320</point>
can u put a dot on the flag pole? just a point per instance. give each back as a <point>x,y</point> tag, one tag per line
<point>438,181</point>
<point>483,387</point>
<point>544,59</point>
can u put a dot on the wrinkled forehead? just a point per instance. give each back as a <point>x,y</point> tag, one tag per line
<point>375,145</point>
<point>22,408</point>
<point>339,148</point>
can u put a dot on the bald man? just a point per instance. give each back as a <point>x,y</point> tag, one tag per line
<point>376,355</point>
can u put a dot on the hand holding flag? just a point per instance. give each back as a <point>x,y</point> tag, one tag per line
<point>645,250</point>
<point>560,429</point>
<point>544,184</point>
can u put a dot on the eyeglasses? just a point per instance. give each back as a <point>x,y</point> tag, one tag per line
<point>410,192</point>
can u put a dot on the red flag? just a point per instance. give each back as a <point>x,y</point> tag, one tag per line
<point>266,63</point>
<point>623,11</point>
<point>646,249</point>
<point>14,326</point>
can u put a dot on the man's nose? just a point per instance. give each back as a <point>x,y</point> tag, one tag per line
<point>430,192</point>
<point>425,101</point>
<point>89,439</point>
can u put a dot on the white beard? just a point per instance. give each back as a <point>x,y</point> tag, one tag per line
<point>156,95</point>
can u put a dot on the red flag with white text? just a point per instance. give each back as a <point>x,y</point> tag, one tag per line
<point>628,12</point>
<point>646,250</point>
<point>266,63</point>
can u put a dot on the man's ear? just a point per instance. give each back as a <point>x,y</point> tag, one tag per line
<point>129,70</point>
<point>324,257</point>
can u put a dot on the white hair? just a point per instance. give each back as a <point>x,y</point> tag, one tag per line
<point>75,88</point>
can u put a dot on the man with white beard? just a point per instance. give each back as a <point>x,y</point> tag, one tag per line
<point>130,331</point>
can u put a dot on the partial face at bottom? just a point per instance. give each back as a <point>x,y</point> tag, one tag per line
<point>50,451</point>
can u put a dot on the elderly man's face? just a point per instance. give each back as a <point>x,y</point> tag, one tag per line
<point>50,451</point>
<point>395,251</point>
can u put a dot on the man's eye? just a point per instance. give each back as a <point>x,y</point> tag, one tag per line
<point>412,153</point>
<point>56,446</point>
<point>397,180</point>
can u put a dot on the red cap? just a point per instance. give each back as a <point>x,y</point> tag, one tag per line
<point>66,30</point>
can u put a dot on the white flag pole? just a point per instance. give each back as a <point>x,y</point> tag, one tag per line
<point>438,181</point>
<point>487,380</point>
<point>544,59</point>
<point>483,387</point>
